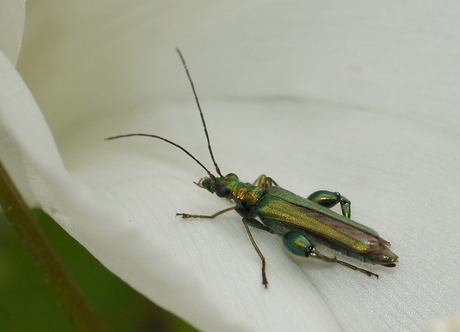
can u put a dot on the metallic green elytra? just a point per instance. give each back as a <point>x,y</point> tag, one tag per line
<point>305,224</point>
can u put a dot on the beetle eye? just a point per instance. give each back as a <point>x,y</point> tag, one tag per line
<point>222,191</point>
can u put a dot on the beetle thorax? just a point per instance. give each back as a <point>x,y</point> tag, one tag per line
<point>247,193</point>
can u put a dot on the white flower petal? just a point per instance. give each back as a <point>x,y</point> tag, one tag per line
<point>12,15</point>
<point>357,99</point>
<point>26,143</point>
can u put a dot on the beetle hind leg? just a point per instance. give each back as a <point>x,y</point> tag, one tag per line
<point>329,199</point>
<point>324,258</point>
<point>298,244</point>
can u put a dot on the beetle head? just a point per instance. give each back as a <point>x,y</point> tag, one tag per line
<point>222,186</point>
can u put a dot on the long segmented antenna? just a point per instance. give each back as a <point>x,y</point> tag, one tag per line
<point>201,113</point>
<point>177,145</point>
<point>170,142</point>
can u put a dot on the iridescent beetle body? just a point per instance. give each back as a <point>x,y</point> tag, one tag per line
<point>302,222</point>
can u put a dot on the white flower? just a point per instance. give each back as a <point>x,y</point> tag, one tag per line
<point>358,98</point>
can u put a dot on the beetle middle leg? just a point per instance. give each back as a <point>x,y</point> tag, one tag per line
<point>246,222</point>
<point>255,223</point>
<point>329,199</point>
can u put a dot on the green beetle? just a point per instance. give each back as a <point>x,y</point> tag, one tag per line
<point>304,223</point>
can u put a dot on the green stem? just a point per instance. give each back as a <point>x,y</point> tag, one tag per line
<point>16,210</point>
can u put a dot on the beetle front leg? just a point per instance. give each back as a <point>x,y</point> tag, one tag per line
<point>187,216</point>
<point>329,199</point>
<point>265,182</point>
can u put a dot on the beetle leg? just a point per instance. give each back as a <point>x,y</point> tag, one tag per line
<point>257,224</point>
<point>187,216</point>
<point>330,199</point>
<point>314,253</point>
<point>265,182</point>
<point>250,221</point>
<point>298,244</point>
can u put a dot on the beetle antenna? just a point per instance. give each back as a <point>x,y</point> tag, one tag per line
<point>201,113</point>
<point>170,142</point>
